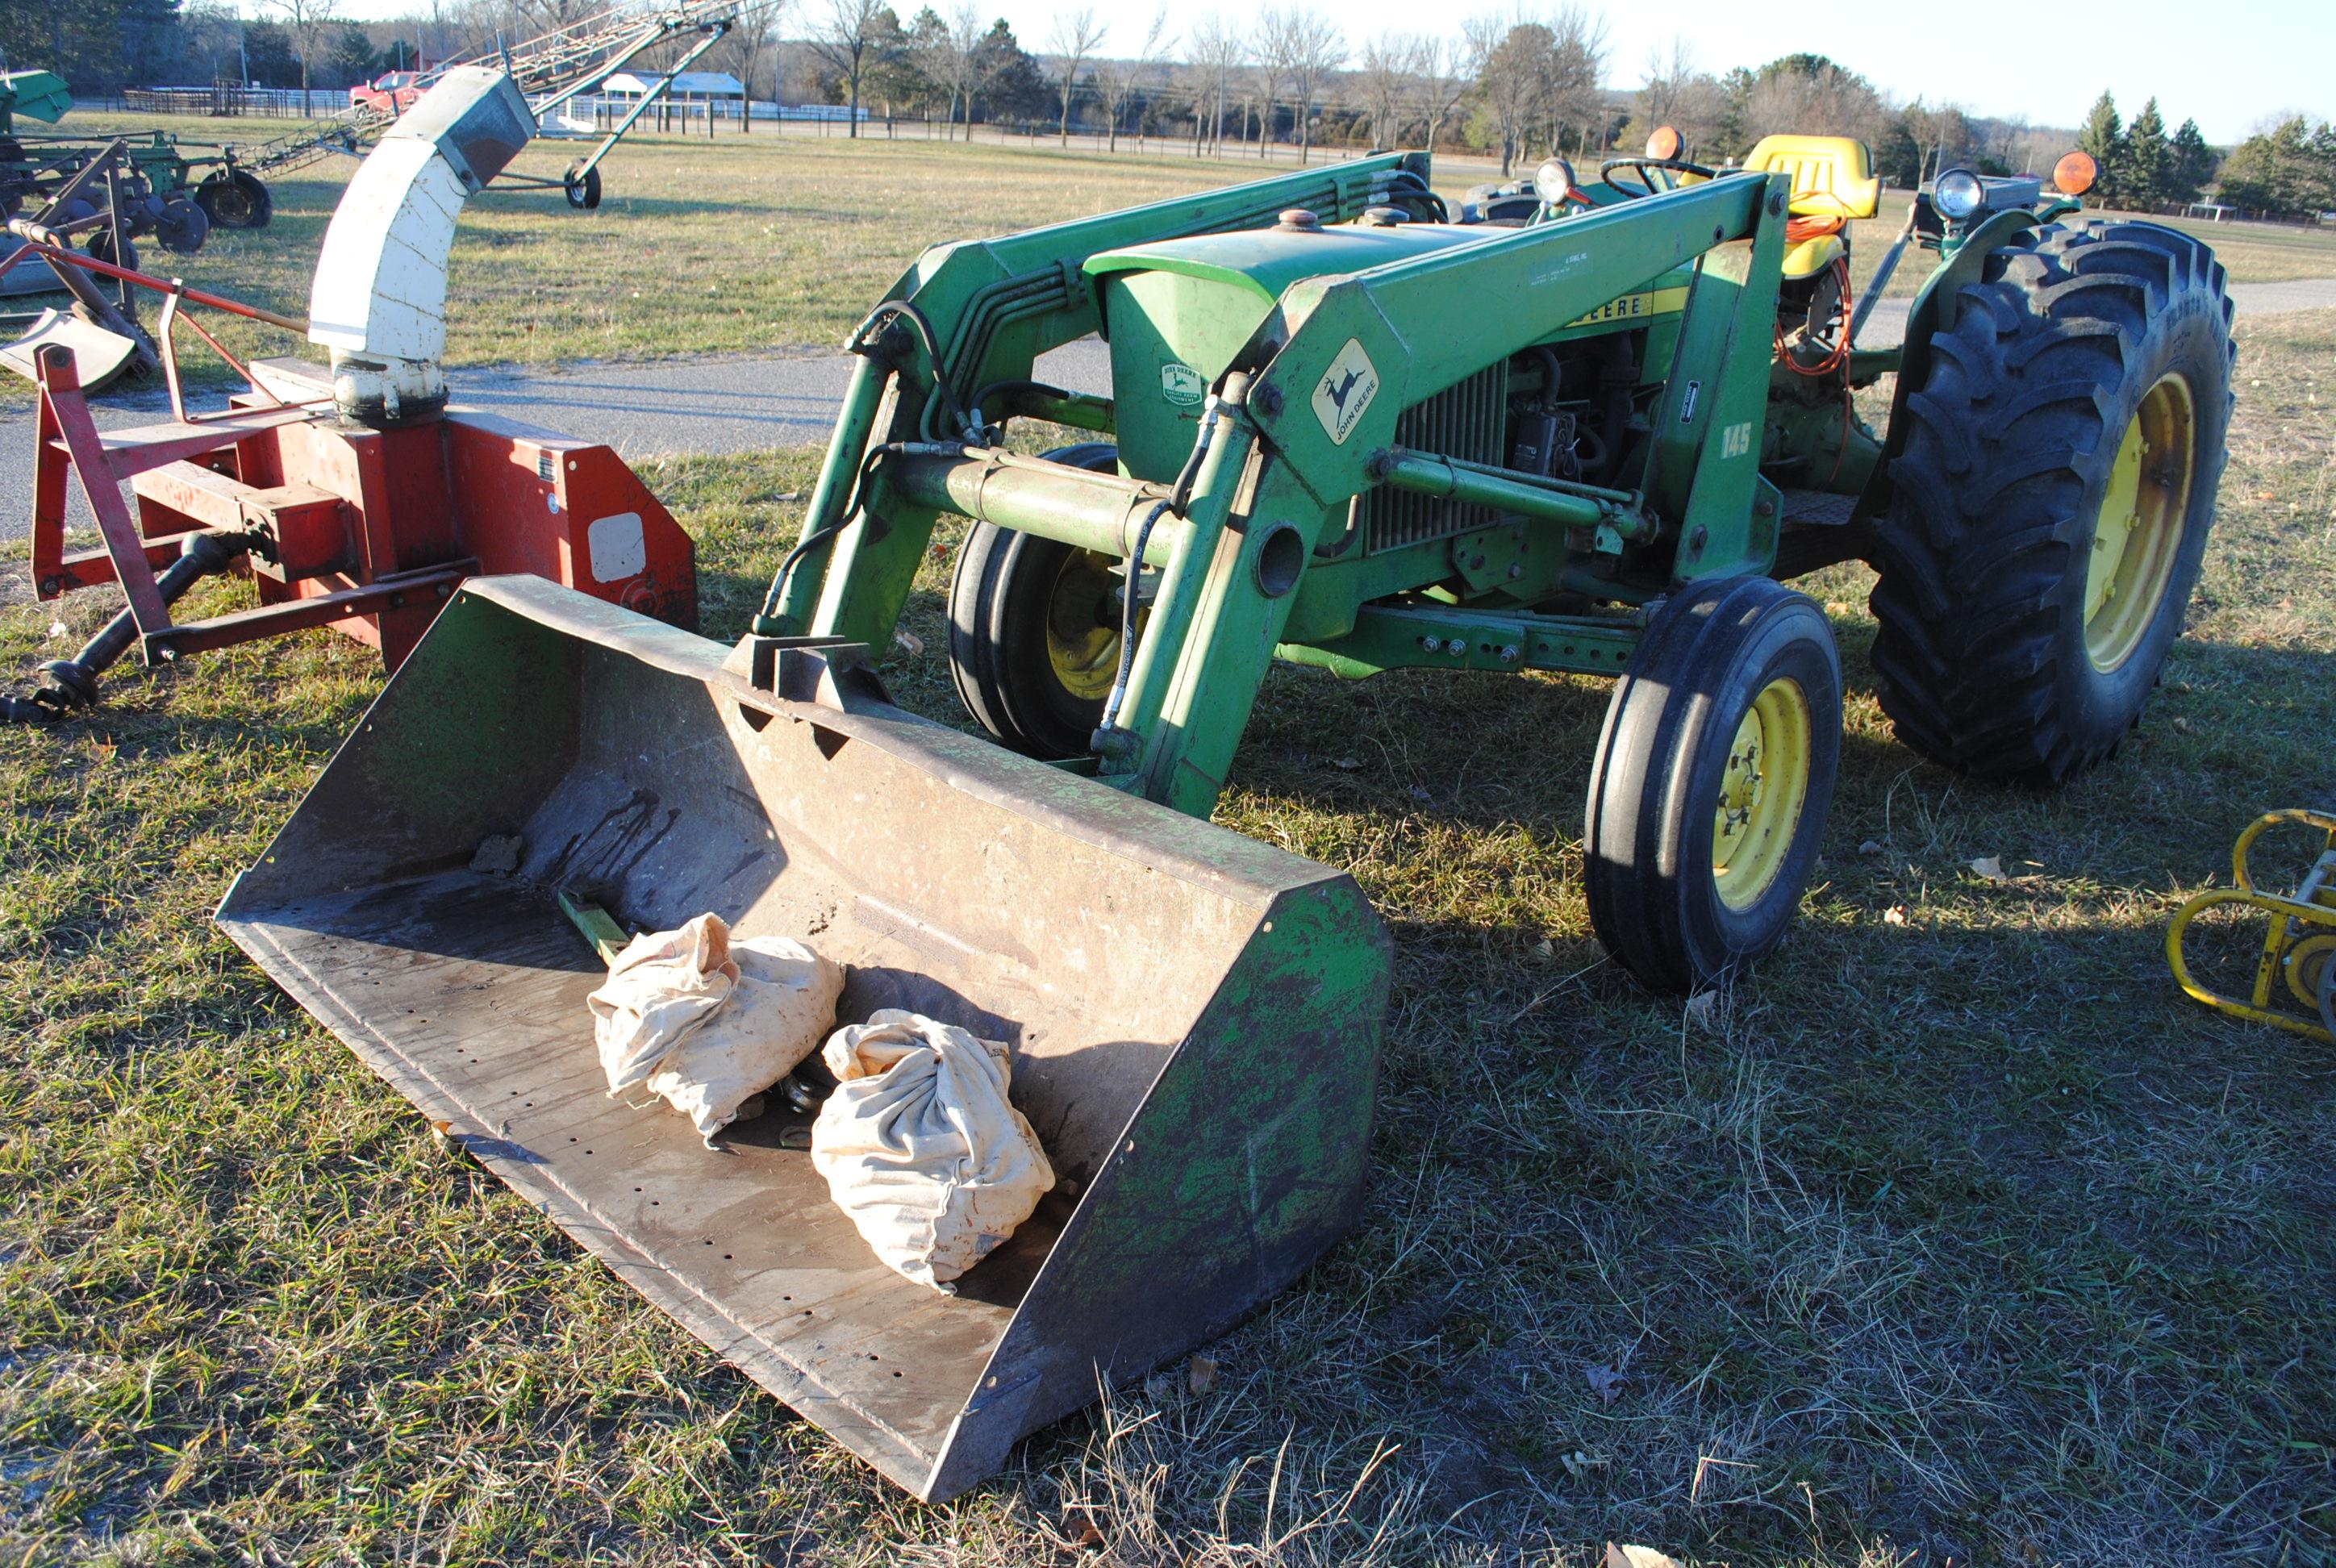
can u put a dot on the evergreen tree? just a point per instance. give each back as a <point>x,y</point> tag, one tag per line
<point>268,51</point>
<point>2103,136</point>
<point>2191,164</point>
<point>891,76</point>
<point>2148,160</point>
<point>352,57</point>
<point>1010,85</point>
<point>2287,171</point>
<point>1898,156</point>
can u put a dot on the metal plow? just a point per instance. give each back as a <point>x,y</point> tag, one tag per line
<point>1195,1017</point>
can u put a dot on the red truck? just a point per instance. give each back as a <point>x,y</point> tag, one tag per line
<point>393,93</point>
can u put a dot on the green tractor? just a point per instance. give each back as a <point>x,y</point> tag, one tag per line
<point>1343,431</point>
<point>1363,436</point>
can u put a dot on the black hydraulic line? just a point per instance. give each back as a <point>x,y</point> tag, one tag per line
<point>72,682</point>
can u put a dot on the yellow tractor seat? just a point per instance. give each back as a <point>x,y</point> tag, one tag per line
<point>1832,176</point>
<point>1812,256</point>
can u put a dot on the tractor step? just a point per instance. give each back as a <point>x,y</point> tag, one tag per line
<point>1818,509</point>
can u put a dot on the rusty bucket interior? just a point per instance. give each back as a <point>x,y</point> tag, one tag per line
<point>1194,1017</point>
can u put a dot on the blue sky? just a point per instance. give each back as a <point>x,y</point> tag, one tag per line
<point>2227,65</point>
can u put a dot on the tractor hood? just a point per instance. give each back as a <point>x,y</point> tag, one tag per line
<point>1264,262</point>
<point>1179,312</point>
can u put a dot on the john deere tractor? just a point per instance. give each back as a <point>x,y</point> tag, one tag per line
<point>1345,431</point>
<point>1352,432</point>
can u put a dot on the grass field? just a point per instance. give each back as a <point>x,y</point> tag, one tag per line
<point>1953,1233</point>
<point>763,243</point>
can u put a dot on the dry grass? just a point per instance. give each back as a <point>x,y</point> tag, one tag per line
<point>755,244</point>
<point>1954,1233</point>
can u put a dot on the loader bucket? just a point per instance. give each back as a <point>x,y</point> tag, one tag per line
<point>1195,1017</point>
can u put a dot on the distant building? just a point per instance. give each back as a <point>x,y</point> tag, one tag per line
<point>689,86</point>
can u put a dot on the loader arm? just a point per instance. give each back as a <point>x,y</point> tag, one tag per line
<point>994,306</point>
<point>1304,422</point>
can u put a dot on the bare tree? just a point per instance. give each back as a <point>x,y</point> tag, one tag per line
<point>946,56</point>
<point>1315,48</point>
<point>1216,52</point>
<point>1828,101</point>
<point>1508,54</point>
<point>1690,102</point>
<point>1270,47</point>
<point>841,37</point>
<point>1390,70</point>
<point>751,45</point>
<point>1537,75</point>
<point>1442,81</point>
<point>1116,80</point>
<point>1075,36</point>
<point>305,22</point>
<point>1577,63</point>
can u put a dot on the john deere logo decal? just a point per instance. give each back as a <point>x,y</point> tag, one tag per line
<point>1342,395</point>
<point>1181,384</point>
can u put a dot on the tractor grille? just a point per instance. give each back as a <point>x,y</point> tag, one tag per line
<point>1468,422</point>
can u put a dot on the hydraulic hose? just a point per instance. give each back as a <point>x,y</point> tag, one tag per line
<point>72,682</point>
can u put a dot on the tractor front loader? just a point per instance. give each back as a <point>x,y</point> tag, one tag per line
<point>1343,431</point>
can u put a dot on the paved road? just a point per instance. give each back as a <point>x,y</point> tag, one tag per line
<point>694,405</point>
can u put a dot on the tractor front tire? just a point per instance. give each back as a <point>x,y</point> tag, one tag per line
<point>1034,631</point>
<point>2051,499</point>
<point>1712,781</point>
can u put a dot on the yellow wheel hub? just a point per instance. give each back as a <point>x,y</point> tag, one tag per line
<point>1083,625</point>
<point>1761,794</point>
<point>2138,535</point>
<point>2307,966</point>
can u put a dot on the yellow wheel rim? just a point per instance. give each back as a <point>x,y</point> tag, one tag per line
<point>2307,962</point>
<point>1761,794</point>
<point>1083,625</point>
<point>2138,535</point>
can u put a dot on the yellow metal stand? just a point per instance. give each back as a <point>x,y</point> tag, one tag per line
<point>2299,956</point>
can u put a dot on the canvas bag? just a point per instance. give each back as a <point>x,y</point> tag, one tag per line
<point>707,1022</point>
<point>921,1146</point>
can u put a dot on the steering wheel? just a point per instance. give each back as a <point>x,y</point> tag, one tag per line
<point>1644,168</point>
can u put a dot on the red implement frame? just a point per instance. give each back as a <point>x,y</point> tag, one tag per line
<point>367,531</point>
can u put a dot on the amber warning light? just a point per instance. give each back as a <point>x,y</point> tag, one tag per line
<point>2075,173</point>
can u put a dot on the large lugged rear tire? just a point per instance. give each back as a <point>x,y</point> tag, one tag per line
<point>2052,499</point>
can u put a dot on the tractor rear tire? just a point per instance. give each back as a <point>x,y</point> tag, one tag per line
<point>2052,500</point>
<point>1034,631</point>
<point>1712,780</point>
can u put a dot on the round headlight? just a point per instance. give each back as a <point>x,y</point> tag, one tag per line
<point>1553,181</point>
<point>1958,193</point>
